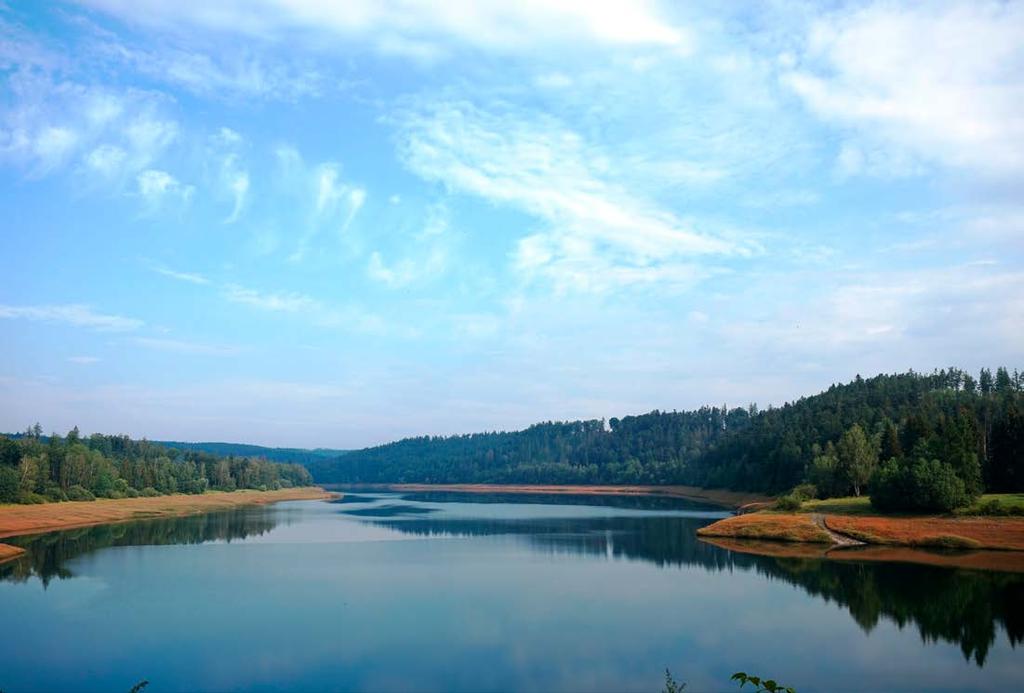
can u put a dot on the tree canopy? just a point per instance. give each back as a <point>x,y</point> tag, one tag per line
<point>838,439</point>
<point>36,468</point>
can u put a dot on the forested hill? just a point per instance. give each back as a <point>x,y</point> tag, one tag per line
<point>771,450</point>
<point>292,455</point>
<point>35,469</point>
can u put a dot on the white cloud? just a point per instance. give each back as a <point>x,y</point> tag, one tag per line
<point>107,160</point>
<point>155,186</point>
<point>600,234</point>
<point>75,314</point>
<point>420,29</point>
<point>234,74</point>
<point>185,347</point>
<point>49,124</point>
<point>330,202</point>
<point>277,302</point>
<point>317,313</point>
<point>406,271</point>
<point>942,82</point>
<point>190,277</point>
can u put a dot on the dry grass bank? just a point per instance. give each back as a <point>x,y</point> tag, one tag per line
<point>1000,533</point>
<point>33,519</point>
<point>997,533</point>
<point>729,499</point>
<point>774,526</point>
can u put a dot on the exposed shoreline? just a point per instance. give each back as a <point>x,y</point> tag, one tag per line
<point>19,520</point>
<point>932,531</point>
<point>728,499</point>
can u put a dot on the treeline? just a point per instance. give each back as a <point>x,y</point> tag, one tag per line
<point>293,455</point>
<point>37,469</point>
<point>973,426</point>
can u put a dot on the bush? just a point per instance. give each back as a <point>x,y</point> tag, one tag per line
<point>10,484</point>
<point>805,492</point>
<point>54,493</point>
<point>923,485</point>
<point>29,498</point>
<point>132,492</point>
<point>150,492</point>
<point>80,493</point>
<point>789,503</point>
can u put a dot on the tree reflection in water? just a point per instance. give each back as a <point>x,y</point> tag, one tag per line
<point>961,606</point>
<point>48,553</point>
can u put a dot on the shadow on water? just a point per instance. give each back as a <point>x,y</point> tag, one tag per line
<point>965,607</point>
<point>397,510</point>
<point>622,501</point>
<point>47,553</point>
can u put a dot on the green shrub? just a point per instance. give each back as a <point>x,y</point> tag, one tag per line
<point>923,485</point>
<point>80,493</point>
<point>10,484</point>
<point>132,492</point>
<point>29,498</point>
<point>788,503</point>
<point>805,492</point>
<point>149,492</point>
<point>54,493</point>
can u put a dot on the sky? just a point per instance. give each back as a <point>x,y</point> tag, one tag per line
<point>303,223</point>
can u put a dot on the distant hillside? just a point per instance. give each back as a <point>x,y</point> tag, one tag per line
<point>293,455</point>
<point>769,451</point>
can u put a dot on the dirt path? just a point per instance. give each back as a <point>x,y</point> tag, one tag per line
<point>837,538</point>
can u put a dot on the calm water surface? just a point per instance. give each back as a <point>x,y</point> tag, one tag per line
<point>437,592</point>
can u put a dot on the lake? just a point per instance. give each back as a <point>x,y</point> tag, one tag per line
<point>465,592</point>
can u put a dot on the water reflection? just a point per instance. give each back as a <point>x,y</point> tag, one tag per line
<point>48,553</point>
<point>964,607</point>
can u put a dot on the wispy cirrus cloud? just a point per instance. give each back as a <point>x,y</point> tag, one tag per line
<point>419,29</point>
<point>51,122</point>
<point>596,227</point>
<point>179,346</point>
<point>233,74</point>
<point>190,277</point>
<point>157,188</point>
<point>74,314</point>
<point>329,202</point>
<point>277,302</point>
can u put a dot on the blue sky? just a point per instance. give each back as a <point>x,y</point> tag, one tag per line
<point>307,223</point>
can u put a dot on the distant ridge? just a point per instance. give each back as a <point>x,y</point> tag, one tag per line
<point>302,456</point>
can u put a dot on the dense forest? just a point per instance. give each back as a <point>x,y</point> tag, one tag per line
<point>293,455</point>
<point>881,435</point>
<point>36,469</point>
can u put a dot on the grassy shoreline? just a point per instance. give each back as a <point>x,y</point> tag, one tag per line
<point>840,520</point>
<point>18,520</point>
<point>728,499</point>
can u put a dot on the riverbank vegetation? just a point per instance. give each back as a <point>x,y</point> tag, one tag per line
<point>916,442</point>
<point>38,469</point>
